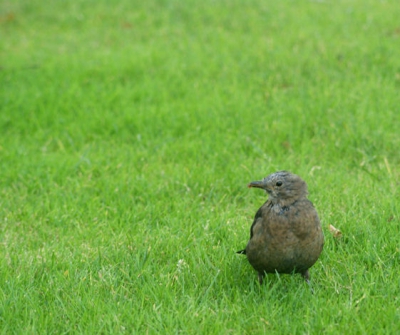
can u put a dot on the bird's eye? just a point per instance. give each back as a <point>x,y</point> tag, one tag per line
<point>278,183</point>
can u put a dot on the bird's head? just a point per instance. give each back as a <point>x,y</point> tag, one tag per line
<point>282,187</point>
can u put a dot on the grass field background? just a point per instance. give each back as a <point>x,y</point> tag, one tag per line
<point>128,133</point>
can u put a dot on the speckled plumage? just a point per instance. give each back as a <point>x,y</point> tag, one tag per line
<point>286,234</point>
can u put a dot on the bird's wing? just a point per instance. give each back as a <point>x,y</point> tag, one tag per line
<point>256,217</point>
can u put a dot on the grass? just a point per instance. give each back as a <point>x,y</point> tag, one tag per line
<point>128,133</point>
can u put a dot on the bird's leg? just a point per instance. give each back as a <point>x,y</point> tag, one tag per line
<point>306,276</point>
<point>261,277</point>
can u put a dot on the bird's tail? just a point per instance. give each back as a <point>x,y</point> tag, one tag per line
<point>242,252</point>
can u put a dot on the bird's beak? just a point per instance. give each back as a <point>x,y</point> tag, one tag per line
<point>258,184</point>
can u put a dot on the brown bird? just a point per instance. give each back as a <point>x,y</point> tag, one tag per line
<point>286,234</point>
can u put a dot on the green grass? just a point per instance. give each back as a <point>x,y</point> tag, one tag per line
<point>128,133</point>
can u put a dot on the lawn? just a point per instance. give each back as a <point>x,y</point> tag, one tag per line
<point>129,131</point>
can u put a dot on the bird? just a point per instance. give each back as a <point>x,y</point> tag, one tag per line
<point>286,235</point>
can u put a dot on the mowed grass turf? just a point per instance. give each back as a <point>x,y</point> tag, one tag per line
<point>128,133</point>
